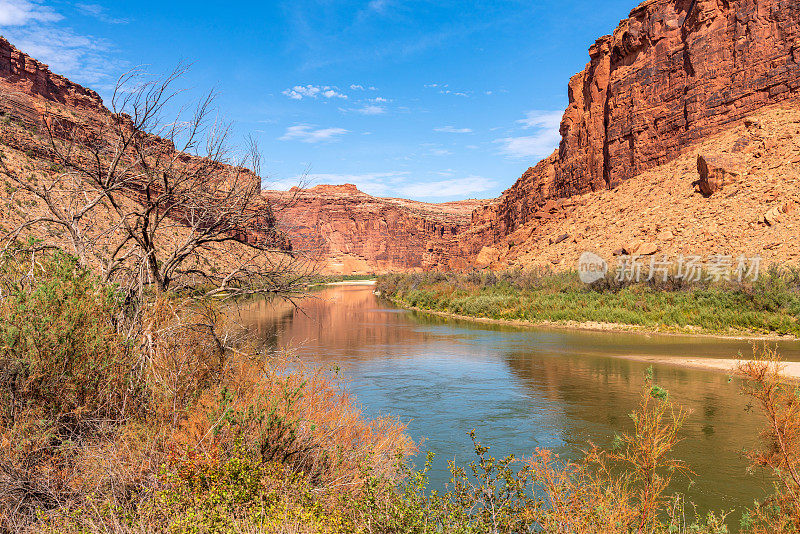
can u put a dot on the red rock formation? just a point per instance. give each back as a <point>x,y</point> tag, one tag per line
<point>349,231</point>
<point>33,95</point>
<point>673,73</point>
<point>28,84</point>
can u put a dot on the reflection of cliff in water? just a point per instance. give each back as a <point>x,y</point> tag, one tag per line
<point>597,393</point>
<point>520,389</point>
<point>336,322</point>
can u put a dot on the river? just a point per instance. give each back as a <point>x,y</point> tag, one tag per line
<point>521,388</point>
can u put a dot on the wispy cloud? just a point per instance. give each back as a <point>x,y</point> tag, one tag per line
<point>373,106</point>
<point>456,187</point>
<point>542,119</point>
<point>371,109</point>
<point>100,13</point>
<point>454,93</point>
<point>22,12</point>
<point>298,92</point>
<point>445,90</point>
<point>307,133</point>
<point>356,87</point>
<point>35,29</point>
<point>453,129</point>
<point>539,145</point>
<point>400,184</point>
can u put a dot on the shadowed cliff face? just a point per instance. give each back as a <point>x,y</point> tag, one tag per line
<point>673,73</point>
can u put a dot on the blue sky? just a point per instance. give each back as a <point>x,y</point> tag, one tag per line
<point>430,100</point>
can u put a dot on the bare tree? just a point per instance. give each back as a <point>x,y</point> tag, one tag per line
<point>155,203</point>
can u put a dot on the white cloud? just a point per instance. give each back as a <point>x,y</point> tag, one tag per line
<point>452,129</point>
<point>439,152</point>
<point>400,184</point>
<point>456,187</point>
<point>366,109</point>
<point>356,87</point>
<point>539,145</point>
<point>454,93</point>
<point>542,119</point>
<point>306,133</point>
<point>371,109</point>
<point>298,92</point>
<point>378,100</point>
<point>99,12</point>
<point>23,12</point>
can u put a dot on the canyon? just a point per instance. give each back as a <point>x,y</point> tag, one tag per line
<point>675,80</point>
<point>345,231</point>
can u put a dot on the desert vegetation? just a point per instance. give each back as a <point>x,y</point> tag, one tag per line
<point>186,427</point>
<point>768,305</point>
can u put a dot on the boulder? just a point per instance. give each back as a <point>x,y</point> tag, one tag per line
<point>559,239</point>
<point>631,248</point>
<point>647,249</point>
<point>666,235</point>
<point>640,248</point>
<point>715,172</point>
<point>487,256</point>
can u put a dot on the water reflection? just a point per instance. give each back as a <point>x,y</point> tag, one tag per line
<point>520,389</point>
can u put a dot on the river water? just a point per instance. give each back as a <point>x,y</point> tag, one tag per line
<point>521,388</point>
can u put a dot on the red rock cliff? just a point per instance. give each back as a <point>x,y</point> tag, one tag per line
<point>348,231</point>
<point>671,74</point>
<point>31,93</point>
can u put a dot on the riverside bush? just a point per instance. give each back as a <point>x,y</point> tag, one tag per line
<point>107,426</point>
<point>770,304</point>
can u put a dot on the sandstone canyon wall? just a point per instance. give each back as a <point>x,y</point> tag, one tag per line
<point>673,73</point>
<point>347,231</point>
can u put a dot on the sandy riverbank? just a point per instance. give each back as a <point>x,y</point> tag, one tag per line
<point>727,365</point>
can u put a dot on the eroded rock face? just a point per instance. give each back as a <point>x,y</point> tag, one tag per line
<point>347,231</point>
<point>29,85</point>
<point>32,95</point>
<point>673,73</point>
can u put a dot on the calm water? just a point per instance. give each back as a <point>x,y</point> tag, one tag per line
<point>520,388</point>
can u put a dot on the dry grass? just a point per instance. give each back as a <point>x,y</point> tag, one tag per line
<point>94,432</point>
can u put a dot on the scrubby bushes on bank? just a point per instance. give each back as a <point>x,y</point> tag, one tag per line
<point>771,304</point>
<point>166,422</point>
<point>112,422</point>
